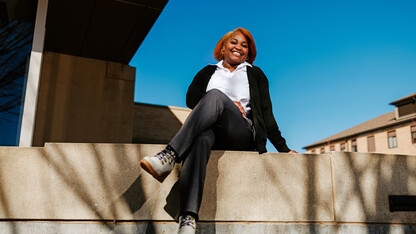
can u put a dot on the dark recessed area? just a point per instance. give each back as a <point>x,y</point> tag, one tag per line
<point>402,203</point>
<point>110,30</point>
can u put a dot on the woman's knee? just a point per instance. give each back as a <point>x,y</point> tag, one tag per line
<point>214,92</point>
<point>215,95</point>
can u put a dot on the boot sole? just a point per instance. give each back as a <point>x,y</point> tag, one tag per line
<point>147,167</point>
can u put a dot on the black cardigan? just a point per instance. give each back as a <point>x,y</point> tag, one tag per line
<point>261,106</point>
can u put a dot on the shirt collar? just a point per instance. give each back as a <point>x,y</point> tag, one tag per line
<point>241,65</point>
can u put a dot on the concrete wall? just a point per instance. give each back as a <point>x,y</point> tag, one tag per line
<point>404,142</point>
<point>84,100</point>
<point>103,182</point>
<point>157,124</point>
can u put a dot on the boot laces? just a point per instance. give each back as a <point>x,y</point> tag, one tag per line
<point>188,220</point>
<point>166,156</point>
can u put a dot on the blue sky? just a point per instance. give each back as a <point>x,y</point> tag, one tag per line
<point>331,64</point>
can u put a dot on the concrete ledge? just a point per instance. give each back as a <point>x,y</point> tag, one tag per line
<point>102,182</point>
<point>246,186</point>
<point>202,227</point>
<point>363,182</point>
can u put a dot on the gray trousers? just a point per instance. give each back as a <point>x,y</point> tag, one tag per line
<point>215,123</point>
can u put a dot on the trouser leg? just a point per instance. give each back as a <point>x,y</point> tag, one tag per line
<point>215,110</point>
<point>215,122</point>
<point>192,176</point>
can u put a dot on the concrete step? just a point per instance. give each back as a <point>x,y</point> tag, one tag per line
<point>71,186</point>
<point>36,227</point>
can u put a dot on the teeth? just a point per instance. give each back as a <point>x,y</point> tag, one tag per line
<point>236,53</point>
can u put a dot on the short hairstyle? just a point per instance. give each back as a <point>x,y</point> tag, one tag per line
<point>252,52</point>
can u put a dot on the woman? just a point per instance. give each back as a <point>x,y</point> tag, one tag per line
<point>231,111</point>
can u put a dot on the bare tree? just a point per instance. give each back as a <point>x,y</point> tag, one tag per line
<point>15,46</point>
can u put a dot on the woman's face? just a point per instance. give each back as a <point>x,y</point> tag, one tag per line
<point>236,49</point>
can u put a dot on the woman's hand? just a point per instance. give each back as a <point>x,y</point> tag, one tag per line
<point>240,107</point>
<point>293,152</point>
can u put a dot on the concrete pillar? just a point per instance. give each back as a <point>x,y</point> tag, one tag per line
<point>32,87</point>
<point>84,100</point>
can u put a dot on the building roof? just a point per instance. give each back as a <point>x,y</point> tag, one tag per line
<point>382,121</point>
<point>406,99</point>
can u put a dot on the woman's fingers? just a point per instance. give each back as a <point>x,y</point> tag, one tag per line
<point>240,107</point>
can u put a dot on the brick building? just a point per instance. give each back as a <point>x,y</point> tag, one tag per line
<point>391,133</point>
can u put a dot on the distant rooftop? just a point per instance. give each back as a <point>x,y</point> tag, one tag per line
<point>406,99</point>
<point>380,122</point>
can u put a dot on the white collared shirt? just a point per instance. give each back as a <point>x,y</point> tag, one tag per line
<point>233,84</point>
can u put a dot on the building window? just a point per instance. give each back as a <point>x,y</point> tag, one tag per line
<point>343,148</point>
<point>15,45</point>
<point>354,145</point>
<point>413,131</point>
<point>371,144</point>
<point>313,151</point>
<point>322,150</point>
<point>332,148</point>
<point>392,139</point>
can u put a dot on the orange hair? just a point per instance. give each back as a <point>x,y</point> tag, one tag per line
<point>252,52</point>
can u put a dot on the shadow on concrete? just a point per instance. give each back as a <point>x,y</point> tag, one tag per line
<point>352,174</point>
<point>312,194</point>
<point>4,207</point>
<point>172,202</point>
<point>388,175</point>
<point>60,163</point>
<point>360,182</point>
<point>210,190</point>
<point>112,175</point>
<point>211,183</point>
<point>135,196</point>
<point>275,172</point>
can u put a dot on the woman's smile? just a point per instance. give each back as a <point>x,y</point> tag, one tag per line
<point>235,50</point>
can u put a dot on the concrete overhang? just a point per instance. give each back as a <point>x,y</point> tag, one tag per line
<point>110,30</point>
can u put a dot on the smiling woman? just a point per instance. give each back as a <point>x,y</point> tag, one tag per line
<point>238,34</point>
<point>235,51</point>
<point>231,111</point>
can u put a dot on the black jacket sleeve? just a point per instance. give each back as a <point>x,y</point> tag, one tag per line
<point>197,88</point>
<point>272,129</point>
